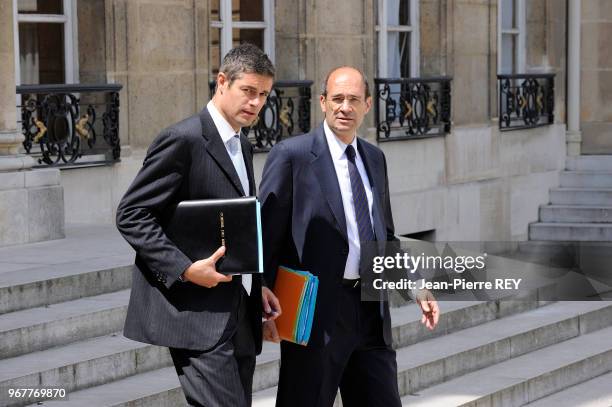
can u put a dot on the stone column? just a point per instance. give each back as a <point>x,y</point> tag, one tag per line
<point>10,138</point>
<point>573,136</point>
<point>31,201</point>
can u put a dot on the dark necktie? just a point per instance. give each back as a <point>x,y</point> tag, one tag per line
<point>360,199</point>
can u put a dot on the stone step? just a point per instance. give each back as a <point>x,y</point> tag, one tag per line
<point>41,328</point>
<point>589,163</point>
<point>406,330</point>
<point>441,359</point>
<point>79,365</point>
<point>596,392</point>
<point>91,260</point>
<point>29,288</point>
<point>158,388</point>
<point>428,363</point>
<point>575,214</point>
<point>120,353</point>
<point>581,196</point>
<point>458,314</point>
<point>161,387</point>
<point>586,179</point>
<point>101,360</point>
<point>526,378</point>
<point>586,232</point>
<point>593,258</point>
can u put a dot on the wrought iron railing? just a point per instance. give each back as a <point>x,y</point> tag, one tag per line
<point>66,123</point>
<point>408,108</point>
<point>526,101</point>
<point>285,114</point>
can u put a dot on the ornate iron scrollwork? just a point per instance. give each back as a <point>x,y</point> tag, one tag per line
<point>526,101</point>
<point>55,129</point>
<point>412,107</point>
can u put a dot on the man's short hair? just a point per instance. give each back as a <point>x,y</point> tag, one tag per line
<point>363,77</point>
<point>246,58</point>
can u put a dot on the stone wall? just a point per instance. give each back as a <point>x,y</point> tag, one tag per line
<point>31,201</point>
<point>475,183</point>
<point>158,51</point>
<point>91,41</point>
<point>596,77</point>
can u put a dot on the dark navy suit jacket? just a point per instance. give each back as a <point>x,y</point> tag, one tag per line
<point>304,224</point>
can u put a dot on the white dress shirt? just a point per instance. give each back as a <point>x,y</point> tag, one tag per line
<point>337,148</point>
<point>231,140</point>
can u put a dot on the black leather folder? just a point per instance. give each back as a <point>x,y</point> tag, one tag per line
<point>200,227</point>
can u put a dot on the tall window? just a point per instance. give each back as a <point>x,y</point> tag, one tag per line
<point>236,21</point>
<point>45,35</point>
<point>398,38</point>
<point>511,38</point>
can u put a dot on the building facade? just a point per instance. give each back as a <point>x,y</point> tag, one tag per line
<point>457,171</point>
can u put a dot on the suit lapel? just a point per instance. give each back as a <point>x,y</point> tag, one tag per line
<point>216,149</point>
<point>324,169</point>
<point>247,156</point>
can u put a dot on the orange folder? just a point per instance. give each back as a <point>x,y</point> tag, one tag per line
<point>296,291</point>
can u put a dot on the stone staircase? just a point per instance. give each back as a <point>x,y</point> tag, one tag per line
<point>581,208</point>
<point>62,306</point>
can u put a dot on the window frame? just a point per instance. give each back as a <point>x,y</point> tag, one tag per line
<point>226,24</point>
<point>383,29</point>
<point>69,21</point>
<point>518,31</point>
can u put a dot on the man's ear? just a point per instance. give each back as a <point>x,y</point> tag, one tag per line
<point>368,103</point>
<point>221,82</point>
<point>322,103</point>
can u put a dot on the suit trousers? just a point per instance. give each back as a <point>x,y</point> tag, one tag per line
<point>356,360</point>
<point>221,376</point>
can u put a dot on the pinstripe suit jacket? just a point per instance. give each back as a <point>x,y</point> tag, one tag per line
<point>188,160</point>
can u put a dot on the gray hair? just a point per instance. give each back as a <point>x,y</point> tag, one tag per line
<point>363,77</point>
<point>246,58</point>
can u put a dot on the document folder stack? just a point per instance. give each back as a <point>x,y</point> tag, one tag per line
<point>297,292</point>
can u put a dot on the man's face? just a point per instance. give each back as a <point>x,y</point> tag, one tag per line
<point>241,101</point>
<point>345,104</point>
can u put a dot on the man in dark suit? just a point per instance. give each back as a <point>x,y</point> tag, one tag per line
<point>324,196</point>
<point>211,322</point>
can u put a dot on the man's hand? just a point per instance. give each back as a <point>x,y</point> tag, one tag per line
<point>204,273</point>
<point>429,306</point>
<point>270,304</point>
<point>269,332</point>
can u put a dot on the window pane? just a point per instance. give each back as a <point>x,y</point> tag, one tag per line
<point>214,10</point>
<point>398,53</point>
<point>40,6</point>
<point>41,53</point>
<point>247,10</point>
<point>248,35</point>
<point>214,52</point>
<point>398,12</point>
<point>508,53</point>
<point>508,14</point>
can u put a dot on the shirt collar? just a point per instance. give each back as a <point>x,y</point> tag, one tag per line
<point>223,127</point>
<point>337,147</point>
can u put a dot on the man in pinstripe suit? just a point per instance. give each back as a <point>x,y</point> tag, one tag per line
<point>210,322</point>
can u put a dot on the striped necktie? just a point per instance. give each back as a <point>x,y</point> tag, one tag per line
<point>360,199</point>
